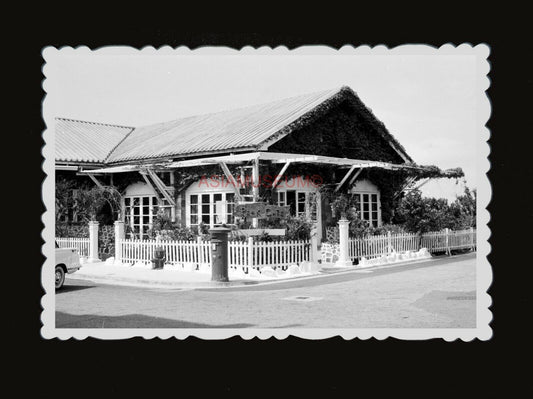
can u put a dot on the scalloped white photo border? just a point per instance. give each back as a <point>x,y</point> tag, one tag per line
<point>483,331</point>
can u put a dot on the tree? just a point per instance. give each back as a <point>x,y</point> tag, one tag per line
<point>88,202</point>
<point>463,210</point>
<point>85,202</point>
<point>64,200</point>
<point>419,214</point>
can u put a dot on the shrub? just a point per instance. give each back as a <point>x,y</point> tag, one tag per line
<point>176,232</point>
<point>342,206</point>
<point>296,228</point>
<point>463,210</point>
<point>86,202</point>
<point>164,229</point>
<point>393,228</point>
<point>419,214</point>
<point>72,230</point>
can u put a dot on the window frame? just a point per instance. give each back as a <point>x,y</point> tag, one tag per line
<point>361,206</point>
<point>129,219</point>
<point>211,206</point>
<point>308,195</point>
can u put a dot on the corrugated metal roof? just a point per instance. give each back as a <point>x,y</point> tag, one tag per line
<point>253,128</point>
<point>234,129</point>
<point>79,141</point>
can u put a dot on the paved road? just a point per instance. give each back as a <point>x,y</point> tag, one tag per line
<point>438,294</point>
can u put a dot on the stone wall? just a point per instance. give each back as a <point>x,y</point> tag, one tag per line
<point>106,241</point>
<point>330,253</point>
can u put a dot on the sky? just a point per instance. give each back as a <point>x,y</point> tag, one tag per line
<point>427,102</point>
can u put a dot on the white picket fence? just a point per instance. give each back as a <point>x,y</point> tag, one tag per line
<point>276,254</point>
<point>81,244</point>
<point>134,251</point>
<point>241,254</point>
<point>441,241</point>
<point>448,240</point>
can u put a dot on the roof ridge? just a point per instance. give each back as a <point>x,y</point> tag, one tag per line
<point>119,143</point>
<point>96,123</point>
<point>333,91</point>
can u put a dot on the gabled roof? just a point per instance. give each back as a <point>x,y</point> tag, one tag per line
<point>253,128</point>
<point>243,128</point>
<point>79,141</point>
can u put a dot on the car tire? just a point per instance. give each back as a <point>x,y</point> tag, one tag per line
<point>60,277</point>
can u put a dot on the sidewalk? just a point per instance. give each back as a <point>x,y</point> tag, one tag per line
<point>100,272</point>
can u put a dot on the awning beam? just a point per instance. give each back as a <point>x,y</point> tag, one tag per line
<point>147,180</point>
<point>96,181</point>
<point>232,180</point>
<point>345,178</point>
<point>355,177</point>
<point>161,186</point>
<point>273,157</point>
<point>421,184</point>
<point>280,174</point>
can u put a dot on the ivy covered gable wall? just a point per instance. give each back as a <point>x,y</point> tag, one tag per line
<point>342,131</point>
<point>346,130</point>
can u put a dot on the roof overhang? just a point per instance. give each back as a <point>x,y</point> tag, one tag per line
<point>273,157</point>
<point>76,166</point>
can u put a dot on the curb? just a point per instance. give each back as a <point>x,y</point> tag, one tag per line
<point>114,280</point>
<point>118,280</point>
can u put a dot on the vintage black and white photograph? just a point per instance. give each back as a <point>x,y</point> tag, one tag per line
<point>266,192</point>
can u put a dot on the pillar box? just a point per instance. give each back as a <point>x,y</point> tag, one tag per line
<point>93,242</point>
<point>344,256</point>
<point>219,253</point>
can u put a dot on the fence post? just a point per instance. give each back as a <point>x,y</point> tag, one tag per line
<point>389,242</point>
<point>471,238</point>
<point>344,255</point>
<point>250,253</point>
<point>448,242</point>
<point>93,242</point>
<point>314,245</point>
<point>119,235</point>
<point>200,250</point>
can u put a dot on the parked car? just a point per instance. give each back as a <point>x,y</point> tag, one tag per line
<point>67,261</point>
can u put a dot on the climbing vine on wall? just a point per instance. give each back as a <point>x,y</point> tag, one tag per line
<point>340,132</point>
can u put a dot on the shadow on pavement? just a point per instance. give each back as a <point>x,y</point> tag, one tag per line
<point>71,288</point>
<point>459,306</point>
<point>66,320</point>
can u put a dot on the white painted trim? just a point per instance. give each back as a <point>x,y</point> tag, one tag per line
<point>365,186</point>
<point>212,204</point>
